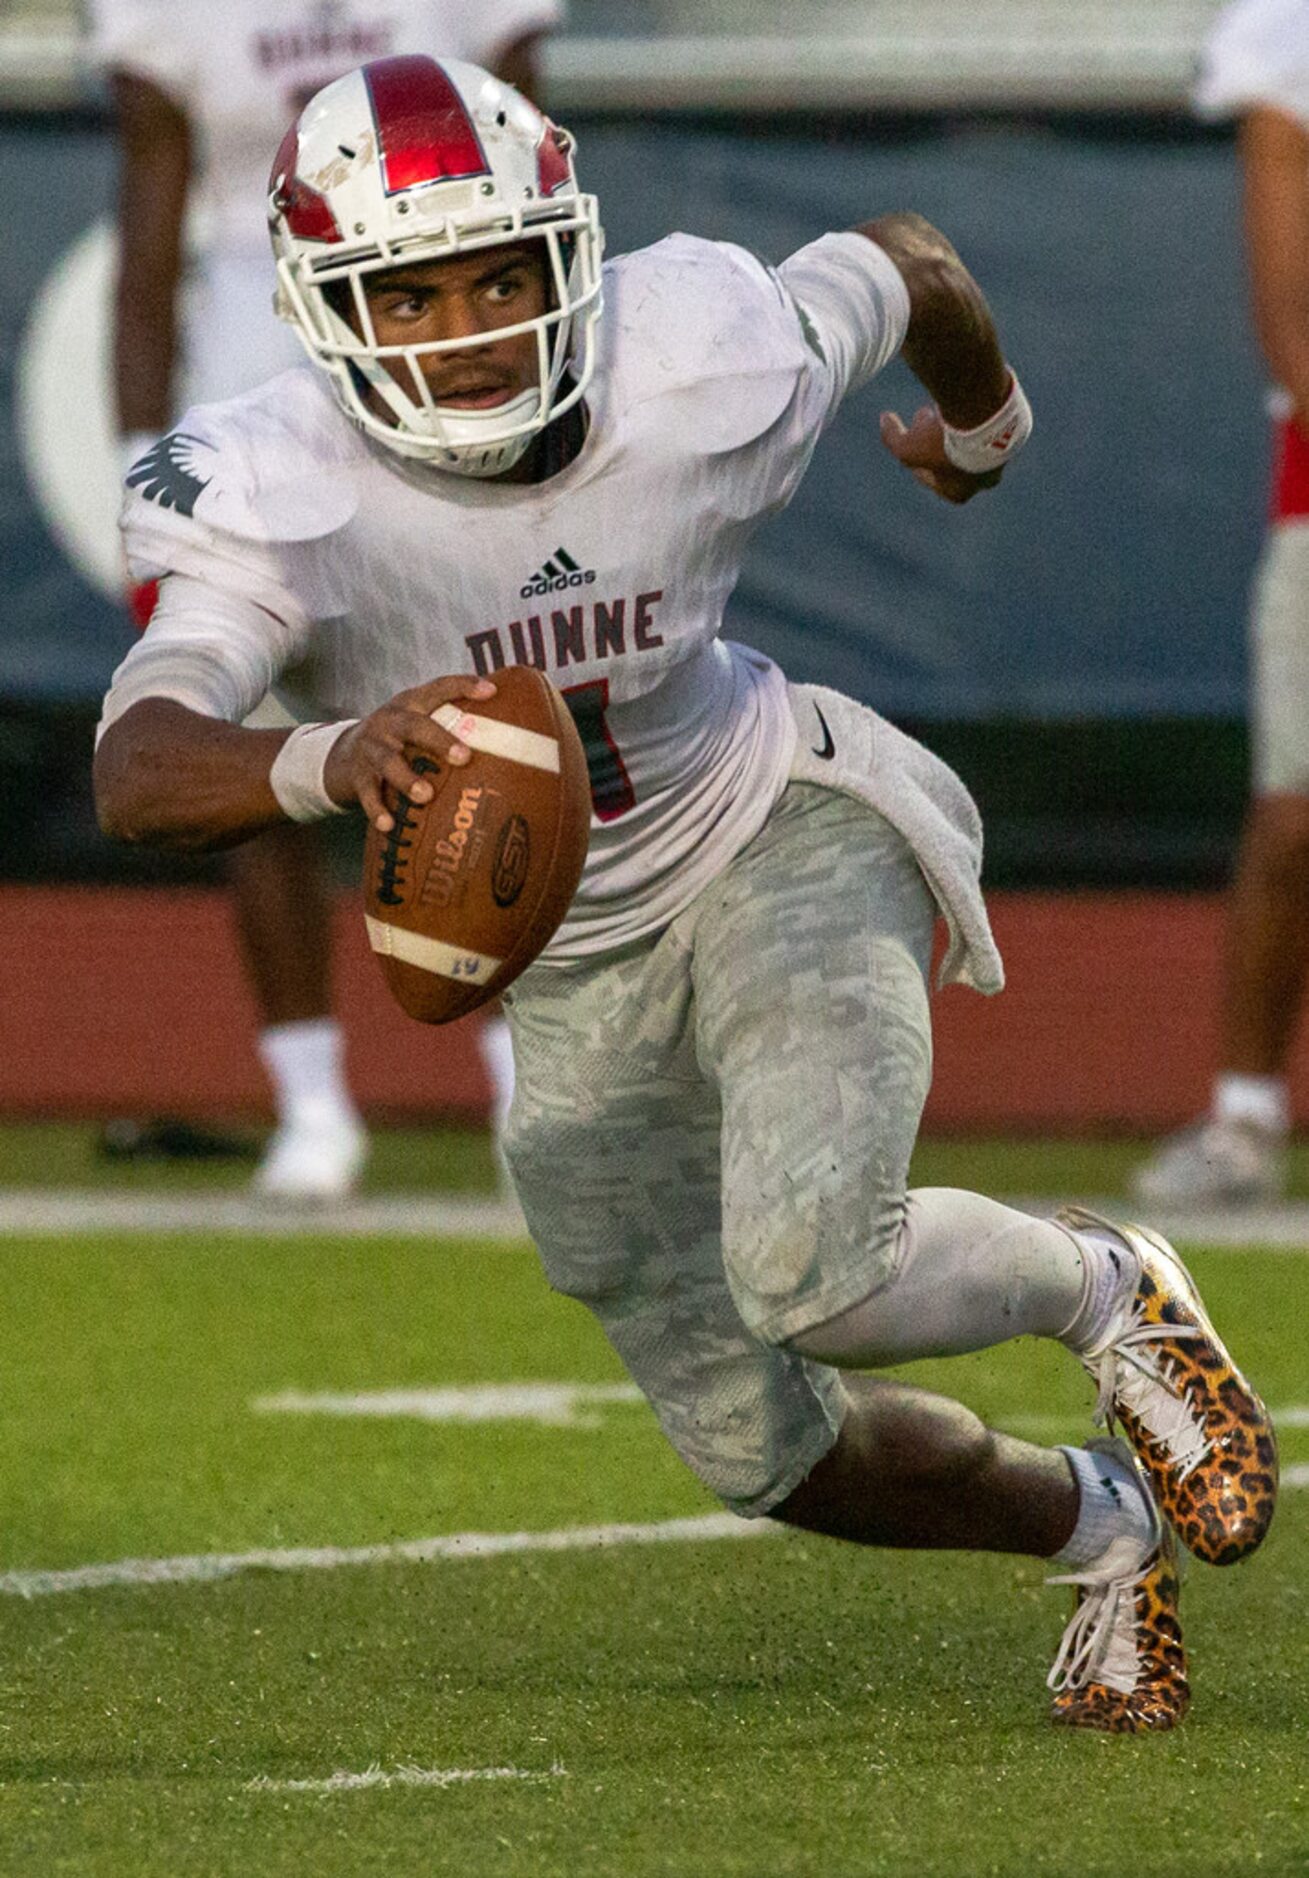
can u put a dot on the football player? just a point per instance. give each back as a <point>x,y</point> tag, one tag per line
<point>1256,67</point>
<point>507,454</point>
<point>201,98</point>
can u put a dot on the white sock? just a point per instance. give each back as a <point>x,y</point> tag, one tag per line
<point>1110,1273</point>
<point>1112,1506</point>
<point>498,1055</point>
<point>306,1066</point>
<point>1258,1099</point>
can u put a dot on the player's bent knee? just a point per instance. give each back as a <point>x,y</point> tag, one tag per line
<point>862,1335</point>
<point>788,1290</point>
<point>846,1341</point>
<point>877,1331</point>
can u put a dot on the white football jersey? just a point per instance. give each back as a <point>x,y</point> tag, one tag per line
<point>1257,54</point>
<point>245,69</point>
<point>350,575</point>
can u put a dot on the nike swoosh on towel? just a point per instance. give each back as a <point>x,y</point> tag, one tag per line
<point>828,750</point>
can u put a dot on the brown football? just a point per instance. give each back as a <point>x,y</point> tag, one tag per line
<point>465,891</point>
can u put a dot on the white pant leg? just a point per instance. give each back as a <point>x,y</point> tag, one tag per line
<point>1279,658</point>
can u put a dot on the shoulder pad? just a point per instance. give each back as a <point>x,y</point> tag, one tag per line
<point>706,315</point>
<point>272,465</point>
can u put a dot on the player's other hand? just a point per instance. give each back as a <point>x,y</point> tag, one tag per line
<point>921,449</point>
<point>370,757</point>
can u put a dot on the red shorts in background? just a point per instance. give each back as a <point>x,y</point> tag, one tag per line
<point>1290,491</point>
<point>142,599</point>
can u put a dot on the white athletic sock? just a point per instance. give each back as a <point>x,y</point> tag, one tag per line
<point>498,1055</point>
<point>1261,1100</point>
<point>306,1066</point>
<point>1111,1273</point>
<point>1112,1506</point>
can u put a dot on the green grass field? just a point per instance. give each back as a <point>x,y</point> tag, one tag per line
<point>690,1709</point>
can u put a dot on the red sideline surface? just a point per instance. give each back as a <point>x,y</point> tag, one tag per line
<point>122,1000</point>
<point>125,1000</point>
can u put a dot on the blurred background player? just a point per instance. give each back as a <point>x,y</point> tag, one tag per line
<point>1256,65</point>
<point>202,95</point>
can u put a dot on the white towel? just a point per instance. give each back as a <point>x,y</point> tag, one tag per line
<point>844,746</point>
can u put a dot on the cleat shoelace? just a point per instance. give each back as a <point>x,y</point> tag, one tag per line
<point>1099,1643</point>
<point>1132,1377</point>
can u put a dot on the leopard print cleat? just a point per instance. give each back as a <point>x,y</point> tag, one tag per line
<point>1165,1376</point>
<point>1121,1667</point>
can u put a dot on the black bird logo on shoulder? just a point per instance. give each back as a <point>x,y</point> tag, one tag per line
<point>166,473</point>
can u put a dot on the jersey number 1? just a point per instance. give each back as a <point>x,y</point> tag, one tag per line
<point>612,793</point>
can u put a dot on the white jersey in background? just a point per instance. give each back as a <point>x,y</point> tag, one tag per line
<point>1257,54</point>
<point>329,567</point>
<point>242,72</point>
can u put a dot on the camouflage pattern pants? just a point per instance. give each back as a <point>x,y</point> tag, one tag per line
<point>1279,652</point>
<point>711,1131</point>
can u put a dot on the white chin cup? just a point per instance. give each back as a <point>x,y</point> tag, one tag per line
<point>466,443</point>
<point>467,450</point>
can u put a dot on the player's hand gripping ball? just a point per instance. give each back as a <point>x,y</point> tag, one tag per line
<point>466,889</point>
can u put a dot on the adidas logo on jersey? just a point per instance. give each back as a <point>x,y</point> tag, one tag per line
<point>559,572</point>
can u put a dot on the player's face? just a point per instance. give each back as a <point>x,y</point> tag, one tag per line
<point>465,297</point>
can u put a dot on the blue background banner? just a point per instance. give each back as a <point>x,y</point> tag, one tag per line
<point>59,637</point>
<point>1108,577</point>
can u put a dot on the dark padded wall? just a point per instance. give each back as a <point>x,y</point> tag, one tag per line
<point>58,639</point>
<point>1107,577</point>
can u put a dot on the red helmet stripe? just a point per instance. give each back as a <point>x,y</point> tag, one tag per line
<point>551,160</point>
<point>424,132</point>
<point>308,215</point>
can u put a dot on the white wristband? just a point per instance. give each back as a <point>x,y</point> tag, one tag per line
<point>994,442</point>
<point>296,777</point>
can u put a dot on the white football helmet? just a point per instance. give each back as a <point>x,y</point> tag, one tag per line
<point>414,159</point>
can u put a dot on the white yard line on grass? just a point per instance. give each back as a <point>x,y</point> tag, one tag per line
<point>552,1404</point>
<point>565,1405</point>
<point>457,1547</point>
<point>55,1212</point>
<point>400,1777</point>
<point>208,1567</point>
